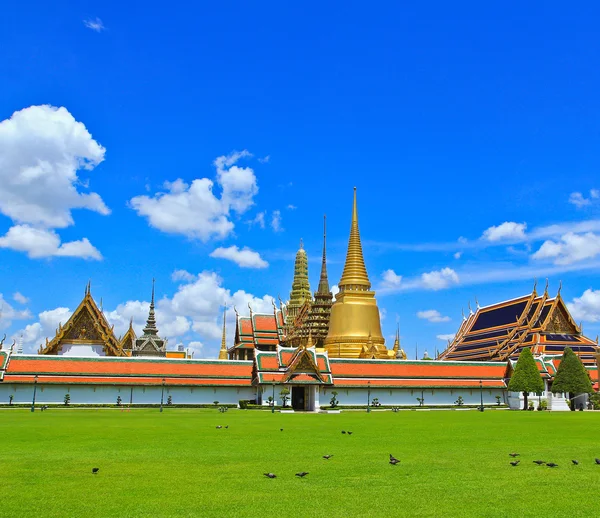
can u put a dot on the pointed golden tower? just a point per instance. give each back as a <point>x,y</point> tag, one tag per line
<point>354,321</point>
<point>223,351</point>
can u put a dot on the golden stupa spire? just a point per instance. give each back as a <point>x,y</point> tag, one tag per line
<point>397,340</point>
<point>223,351</point>
<point>355,275</point>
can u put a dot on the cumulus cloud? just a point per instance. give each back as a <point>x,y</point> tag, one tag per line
<point>8,313</point>
<point>38,243</point>
<point>291,207</point>
<point>335,290</point>
<point>587,307</point>
<point>457,255</point>
<point>182,275</point>
<point>580,201</point>
<point>570,248</point>
<point>244,258</point>
<point>391,279</point>
<point>96,24</point>
<point>193,209</point>
<point>432,315</point>
<point>35,334</point>
<point>445,338</point>
<point>438,280</point>
<point>20,298</point>
<point>507,231</point>
<point>276,221</point>
<point>265,160</point>
<point>259,220</point>
<point>43,149</point>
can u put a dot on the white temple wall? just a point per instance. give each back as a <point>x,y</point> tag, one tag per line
<point>408,397</point>
<point>107,394</point>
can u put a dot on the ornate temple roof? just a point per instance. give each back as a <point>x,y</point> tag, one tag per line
<point>87,325</point>
<point>292,365</point>
<point>150,344</point>
<point>259,330</point>
<point>501,331</point>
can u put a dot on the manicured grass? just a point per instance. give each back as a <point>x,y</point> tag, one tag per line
<point>178,464</point>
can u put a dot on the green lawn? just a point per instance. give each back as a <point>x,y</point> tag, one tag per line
<point>178,464</point>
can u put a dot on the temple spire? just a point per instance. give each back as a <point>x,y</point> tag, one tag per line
<point>355,275</point>
<point>151,322</point>
<point>324,281</point>
<point>223,351</point>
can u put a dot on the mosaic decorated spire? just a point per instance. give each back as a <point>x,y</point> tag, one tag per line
<point>150,328</point>
<point>300,286</point>
<point>355,275</point>
<point>324,281</point>
<point>150,344</point>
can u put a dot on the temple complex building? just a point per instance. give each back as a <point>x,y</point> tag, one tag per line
<point>500,331</point>
<point>300,297</point>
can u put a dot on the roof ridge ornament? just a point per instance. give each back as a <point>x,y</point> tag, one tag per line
<point>477,304</point>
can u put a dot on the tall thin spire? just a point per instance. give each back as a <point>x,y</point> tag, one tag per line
<point>151,322</point>
<point>223,351</point>
<point>324,281</point>
<point>355,273</point>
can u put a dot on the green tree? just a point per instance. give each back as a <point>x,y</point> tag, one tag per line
<point>526,377</point>
<point>285,396</point>
<point>67,399</point>
<point>571,377</point>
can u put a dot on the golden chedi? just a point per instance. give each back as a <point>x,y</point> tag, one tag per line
<point>354,326</point>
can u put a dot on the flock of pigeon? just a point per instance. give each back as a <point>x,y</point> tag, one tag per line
<point>515,463</point>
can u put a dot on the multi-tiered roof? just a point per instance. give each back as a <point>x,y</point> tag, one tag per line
<point>499,332</point>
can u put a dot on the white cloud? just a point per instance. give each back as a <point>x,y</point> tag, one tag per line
<point>244,258</point>
<point>440,279</point>
<point>570,249</point>
<point>457,255</point>
<point>291,207</point>
<point>445,338</point>
<point>42,148</point>
<point>382,314</point>
<point>587,307</point>
<point>95,24</point>
<point>335,290</point>
<point>20,298</point>
<point>34,334</point>
<point>265,160</point>
<point>507,231</point>
<point>8,313</point>
<point>432,315</point>
<point>259,220</point>
<point>38,243</point>
<point>276,221</point>
<point>194,210</point>
<point>580,201</point>
<point>182,275</point>
<point>42,151</point>
<point>391,279</point>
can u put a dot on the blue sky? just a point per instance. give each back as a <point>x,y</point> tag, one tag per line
<point>471,133</point>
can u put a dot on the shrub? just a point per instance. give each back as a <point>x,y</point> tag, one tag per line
<point>595,400</point>
<point>526,377</point>
<point>216,403</point>
<point>375,402</point>
<point>169,400</point>
<point>119,400</point>
<point>460,401</point>
<point>531,406</point>
<point>285,396</point>
<point>498,399</point>
<point>271,401</point>
<point>334,401</point>
<point>67,399</point>
<point>10,399</point>
<point>421,401</point>
<point>543,405</point>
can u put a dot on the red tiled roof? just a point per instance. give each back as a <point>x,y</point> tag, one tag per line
<point>130,380</point>
<point>418,383</point>
<point>62,365</point>
<point>265,323</point>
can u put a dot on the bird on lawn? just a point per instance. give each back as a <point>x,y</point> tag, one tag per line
<point>576,462</point>
<point>393,462</point>
<point>597,461</point>
<point>514,462</point>
<point>327,457</point>
<point>95,470</point>
<point>270,475</point>
<point>343,431</point>
<point>551,465</point>
<point>539,462</point>
<point>281,429</point>
<point>514,454</point>
<point>349,433</point>
<point>219,427</point>
<point>302,474</point>
<point>392,458</point>
<point>227,426</point>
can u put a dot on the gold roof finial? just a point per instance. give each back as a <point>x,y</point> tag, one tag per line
<point>534,285</point>
<point>559,288</point>
<point>397,340</point>
<point>309,342</point>
<point>355,273</point>
<point>223,351</point>
<point>546,288</point>
<point>301,244</point>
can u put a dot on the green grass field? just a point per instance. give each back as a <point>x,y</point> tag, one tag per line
<point>178,464</point>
